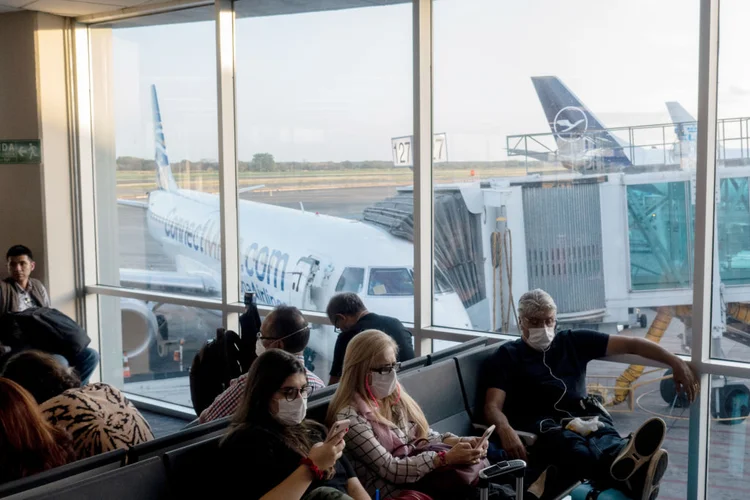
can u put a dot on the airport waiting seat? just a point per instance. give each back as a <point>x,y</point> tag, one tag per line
<point>437,390</point>
<point>470,365</point>
<point>146,480</point>
<point>457,349</point>
<point>325,392</point>
<point>187,436</point>
<point>415,363</point>
<point>185,466</point>
<point>70,473</point>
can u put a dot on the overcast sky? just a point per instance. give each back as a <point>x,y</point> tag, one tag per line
<point>338,85</point>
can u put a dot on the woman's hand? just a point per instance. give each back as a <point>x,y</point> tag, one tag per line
<point>474,441</point>
<point>324,455</point>
<point>462,453</point>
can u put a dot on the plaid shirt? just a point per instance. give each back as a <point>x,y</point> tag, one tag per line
<point>228,401</point>
<point>376,467</point>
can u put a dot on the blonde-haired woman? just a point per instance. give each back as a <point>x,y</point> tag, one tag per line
<point>384,418</point>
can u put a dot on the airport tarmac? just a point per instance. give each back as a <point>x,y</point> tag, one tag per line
<point>729,452</point>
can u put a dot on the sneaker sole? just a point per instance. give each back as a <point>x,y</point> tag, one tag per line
<point>646,441</point>
<point>654,475</point>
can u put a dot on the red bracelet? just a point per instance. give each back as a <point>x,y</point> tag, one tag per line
<point>441,458</point>
<point>314,468</point>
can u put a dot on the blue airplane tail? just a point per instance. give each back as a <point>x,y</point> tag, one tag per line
<point>574,126</point>
<point>164,178</point>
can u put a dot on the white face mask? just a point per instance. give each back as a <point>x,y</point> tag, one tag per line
<point>383,384</point>
<point>259,347</point>
<point>541,338</point>
<point>291,412</point>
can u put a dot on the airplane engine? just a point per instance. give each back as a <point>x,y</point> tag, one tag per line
<point>139,330</point>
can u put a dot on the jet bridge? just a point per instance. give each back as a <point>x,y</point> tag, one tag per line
<point>668,146</point>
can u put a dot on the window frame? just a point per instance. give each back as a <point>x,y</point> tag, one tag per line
<point>423,328</point>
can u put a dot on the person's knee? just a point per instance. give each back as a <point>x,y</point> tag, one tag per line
<point>61,359</point>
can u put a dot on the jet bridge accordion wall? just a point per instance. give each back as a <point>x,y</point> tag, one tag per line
<point>458,240</point>
<point>564,244</point>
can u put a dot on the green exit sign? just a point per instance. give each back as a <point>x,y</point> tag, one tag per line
<point>21,151</point>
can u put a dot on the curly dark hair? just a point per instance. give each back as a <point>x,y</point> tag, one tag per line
<point>40,374</point>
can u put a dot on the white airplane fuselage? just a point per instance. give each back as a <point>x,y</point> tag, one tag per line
<point>289,256</point>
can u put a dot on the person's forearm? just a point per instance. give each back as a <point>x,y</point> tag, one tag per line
<point>653,351</point>
<point>496,417</point>
<point>292,487</point>
<point>355,489</point>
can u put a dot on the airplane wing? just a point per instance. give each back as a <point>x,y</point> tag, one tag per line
<point>169,281</point>
<point>133,203</point>
<point>250,188</point>
<point>541,156</point>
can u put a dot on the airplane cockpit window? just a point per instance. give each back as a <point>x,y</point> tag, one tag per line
<point>352,280</point>
<point>391,281</point>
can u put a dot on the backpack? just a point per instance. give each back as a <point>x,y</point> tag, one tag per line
<point>43,328</point>
<point>218,362</point>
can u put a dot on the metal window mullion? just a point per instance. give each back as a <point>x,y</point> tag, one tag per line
<point>87,244</point>
<point>227,159</point>
<point>704,241</point>
<point>422,161</point>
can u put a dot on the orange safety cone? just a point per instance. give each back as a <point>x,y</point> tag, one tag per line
<point>125,366</point>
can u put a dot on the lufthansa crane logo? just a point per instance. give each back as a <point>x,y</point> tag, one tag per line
<point>570,123</point>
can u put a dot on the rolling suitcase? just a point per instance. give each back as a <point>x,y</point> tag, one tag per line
<point>514,467</point>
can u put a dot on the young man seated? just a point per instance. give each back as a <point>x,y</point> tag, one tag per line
<point>537,384</point>
<point>20,292</point>
<point>284,328</point>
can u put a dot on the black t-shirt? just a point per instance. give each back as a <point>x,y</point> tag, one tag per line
<point>371,321</point>
<point>531,391</point>
<point>255,460</point>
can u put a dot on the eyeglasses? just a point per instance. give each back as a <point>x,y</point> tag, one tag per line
<point>291,393</point>
<point>387,368</point>
<point>261,337</point>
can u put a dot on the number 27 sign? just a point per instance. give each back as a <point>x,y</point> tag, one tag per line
<point>401,148</point>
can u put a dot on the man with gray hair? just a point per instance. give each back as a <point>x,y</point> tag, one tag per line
<point>537,384</point>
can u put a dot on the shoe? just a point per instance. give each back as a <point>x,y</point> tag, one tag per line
<point>643,444</point>
<point>645,484</point>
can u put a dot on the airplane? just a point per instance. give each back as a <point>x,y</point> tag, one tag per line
<point>583,143</point>
<point>287,256</point>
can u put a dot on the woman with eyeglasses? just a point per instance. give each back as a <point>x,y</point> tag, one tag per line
<point>271,452</point>
<point>385,421</point>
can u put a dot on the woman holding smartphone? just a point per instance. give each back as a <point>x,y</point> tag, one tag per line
<point>387,427</point>
<point>271,452</point>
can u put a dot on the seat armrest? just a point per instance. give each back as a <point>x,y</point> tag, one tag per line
<point>527,438</point>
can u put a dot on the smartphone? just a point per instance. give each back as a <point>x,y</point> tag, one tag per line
<point>485,436</point>
<point>337,428</point>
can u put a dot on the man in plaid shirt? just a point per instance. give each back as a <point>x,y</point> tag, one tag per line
<point>284,328</point>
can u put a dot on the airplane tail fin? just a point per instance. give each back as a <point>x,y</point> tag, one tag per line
<point>164,177</point>
<point>685,125</point>
<point>572,123</point>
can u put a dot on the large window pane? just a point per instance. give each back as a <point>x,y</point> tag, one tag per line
<point>651,396</point>
<point>152,346</point>
<point>323,209</point>
<point>566,170</point>
<point>731,292</point>
<point>729,440</point>
<point>156,153</point>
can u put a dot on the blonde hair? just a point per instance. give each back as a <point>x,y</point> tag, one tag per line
<point>358,362</point>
